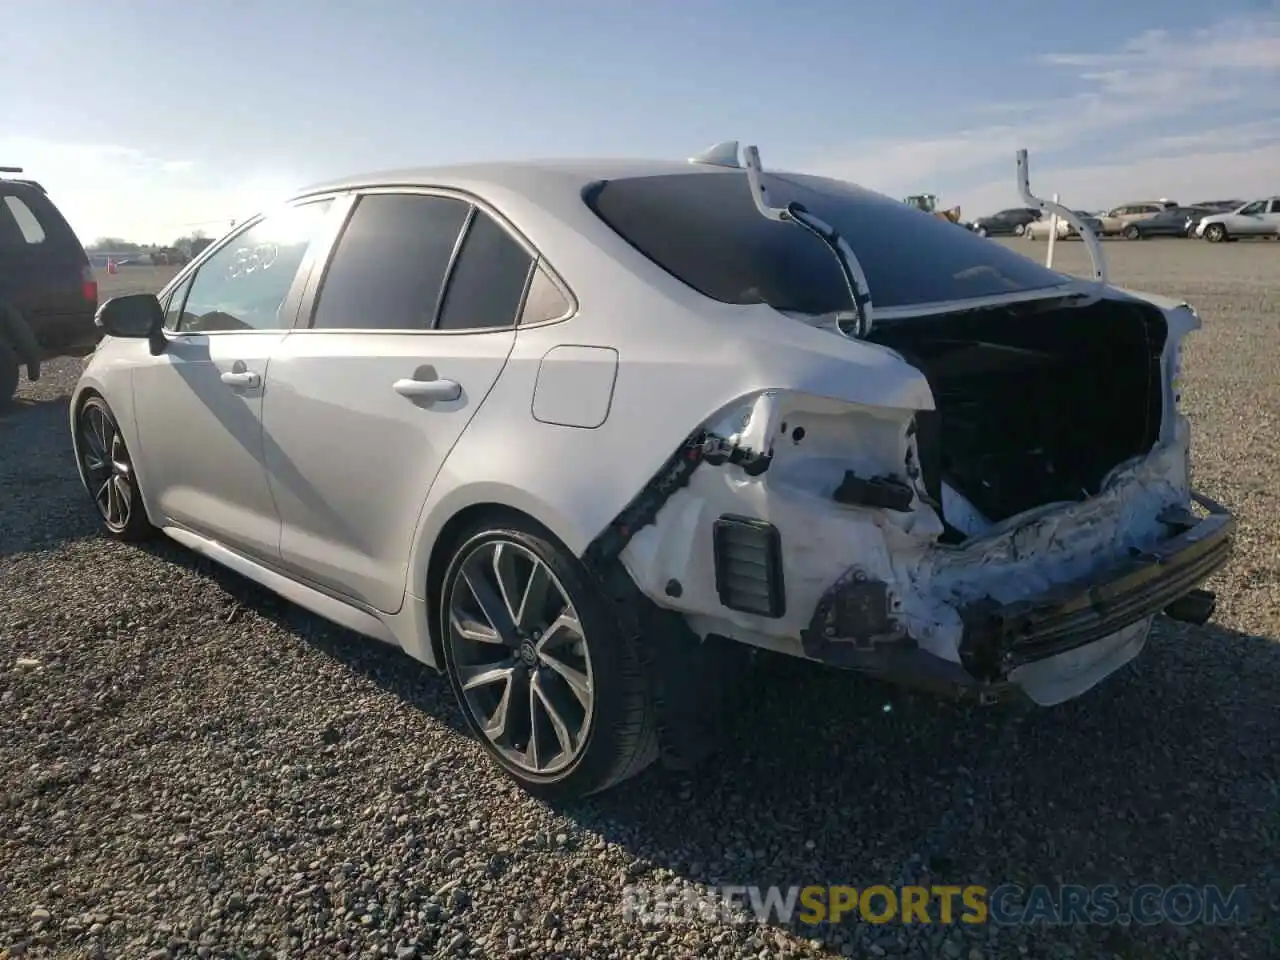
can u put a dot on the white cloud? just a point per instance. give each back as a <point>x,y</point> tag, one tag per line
<point>1157,79</point>
<point>106,189</point>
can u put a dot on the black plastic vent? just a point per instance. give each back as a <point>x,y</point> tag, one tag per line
<point>748,556</point>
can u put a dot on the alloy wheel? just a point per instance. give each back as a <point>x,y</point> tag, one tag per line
<point>520,657</point>
<point>107,468</point>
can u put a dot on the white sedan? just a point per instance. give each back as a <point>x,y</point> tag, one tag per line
<point>1040,229</point>
<point>564,430</point>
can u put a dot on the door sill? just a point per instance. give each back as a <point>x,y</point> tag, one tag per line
<point>341,611</point>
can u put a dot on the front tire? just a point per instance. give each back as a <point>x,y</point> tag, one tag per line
<point>1132,233</point>
<point>980,231</point>
<point>1019,230</point>
<point>106,469</point>
<point>1215,233</point>
<point>548,676</point>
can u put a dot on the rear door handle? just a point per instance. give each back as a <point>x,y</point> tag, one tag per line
<point>245,378</point>
<point>427,389</point>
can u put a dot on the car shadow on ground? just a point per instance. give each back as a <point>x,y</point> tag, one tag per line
<point>44,504</point>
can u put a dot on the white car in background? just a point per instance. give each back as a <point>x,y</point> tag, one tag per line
<point>1040,229</point>
<point>1259,218</point>
<point>563,430</point>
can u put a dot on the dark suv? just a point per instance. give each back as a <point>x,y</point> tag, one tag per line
<point>1005,223</point>
<point>48,294</point>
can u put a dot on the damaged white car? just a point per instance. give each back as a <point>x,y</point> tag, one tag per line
<point>562,430</point>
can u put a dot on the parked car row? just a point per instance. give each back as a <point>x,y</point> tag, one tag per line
<point>1215,221</point>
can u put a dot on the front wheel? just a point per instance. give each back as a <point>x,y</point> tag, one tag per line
<point>547,674</point>
<point>1132,233</point>
<point>106,470</point>
<point>980,231</point>
<point>1020,229</point>
<point>1215,233</point>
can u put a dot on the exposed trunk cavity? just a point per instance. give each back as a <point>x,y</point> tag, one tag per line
<point>1035,402</point>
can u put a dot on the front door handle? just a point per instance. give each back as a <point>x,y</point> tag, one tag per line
<point>245,378</point>
<point>427,389</point>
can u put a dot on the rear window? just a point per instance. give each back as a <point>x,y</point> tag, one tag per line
<point>19,226</point>
<point>704,229</point>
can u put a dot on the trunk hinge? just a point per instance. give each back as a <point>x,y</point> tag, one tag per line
<point>857,323</point>
<point>1048,206</point>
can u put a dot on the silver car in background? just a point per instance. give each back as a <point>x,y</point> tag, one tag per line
<point>1258,218</point>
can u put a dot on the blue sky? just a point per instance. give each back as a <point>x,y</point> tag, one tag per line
<point>144,118</point>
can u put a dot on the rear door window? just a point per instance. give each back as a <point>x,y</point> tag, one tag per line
<point>704,229</point>
<point>488,280</point>
<point>389,266</point>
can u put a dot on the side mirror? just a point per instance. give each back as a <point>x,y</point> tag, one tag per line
<point>135,316</point>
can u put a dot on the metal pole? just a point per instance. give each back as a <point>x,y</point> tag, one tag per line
<point>1053,236</point>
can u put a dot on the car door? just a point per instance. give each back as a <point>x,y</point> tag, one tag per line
<point>1249,220</point>
<point>1113,220</point>
<point>1272,216</point>
<point>405,332</point>
<point>199,403</point>
<point>1160,224</point>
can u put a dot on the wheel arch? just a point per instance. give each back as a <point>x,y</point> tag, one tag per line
<point>120,400</point>
<point>444,524</point>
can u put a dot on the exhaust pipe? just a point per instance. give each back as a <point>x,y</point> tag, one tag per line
<point>1195,607</point>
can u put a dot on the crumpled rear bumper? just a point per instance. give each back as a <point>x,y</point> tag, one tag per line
<point>999,639</point>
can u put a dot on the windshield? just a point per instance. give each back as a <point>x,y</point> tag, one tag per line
<point>704,229</point>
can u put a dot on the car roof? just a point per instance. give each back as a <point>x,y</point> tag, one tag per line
<point>524,176</point>
<point>20,184</point>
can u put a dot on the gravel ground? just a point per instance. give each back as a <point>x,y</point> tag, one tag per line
<point>189,766</point>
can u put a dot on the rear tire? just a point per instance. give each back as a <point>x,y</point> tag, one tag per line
<point>8,374</point>
<point>1215,233</point>
<point>1020,229</point>
<point>106,470</point>
<point>547,669</point>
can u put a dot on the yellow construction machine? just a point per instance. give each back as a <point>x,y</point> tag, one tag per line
<point>928,203</point>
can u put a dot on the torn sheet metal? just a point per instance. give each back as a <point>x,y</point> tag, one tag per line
<point>812,443</point>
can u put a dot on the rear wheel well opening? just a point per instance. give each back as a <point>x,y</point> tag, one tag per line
<point>449,538</point>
